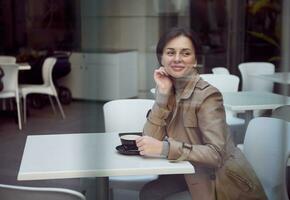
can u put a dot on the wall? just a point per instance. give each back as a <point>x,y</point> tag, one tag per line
<point>127,24</point>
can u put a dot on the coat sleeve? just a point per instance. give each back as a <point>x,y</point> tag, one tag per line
<point>212,128</point>
<point>156,122</point>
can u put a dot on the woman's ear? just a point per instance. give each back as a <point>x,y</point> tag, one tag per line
<point>161,62</point>
<point>195,64</point>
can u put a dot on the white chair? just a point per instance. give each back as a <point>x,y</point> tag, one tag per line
<point>153,91</point>
<point>127,115</point>
<point>282,112</point>
<point>264,149</point>
<point>250,82</point>
<point>46,88</point>
<point>13,192</point>
<point>10,82</point>
<point>185,195</point>
<point>220,70</point>
<point>7,59</point>
<point>225,83</point>
<point>11,60</point>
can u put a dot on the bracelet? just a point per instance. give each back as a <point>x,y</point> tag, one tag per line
<point>186,146</point>
<point>187,149</point>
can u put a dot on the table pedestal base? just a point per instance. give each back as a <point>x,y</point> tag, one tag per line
<point>248,116</point>
<point>95,188</point>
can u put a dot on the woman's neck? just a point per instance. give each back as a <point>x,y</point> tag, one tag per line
<point>180,83</point>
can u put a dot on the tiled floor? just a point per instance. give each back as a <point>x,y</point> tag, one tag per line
<point>81,116</point>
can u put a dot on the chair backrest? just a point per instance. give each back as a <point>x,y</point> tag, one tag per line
<point>12,192</point>
<point>10,78</point>
<point>153,90</point>
<point>220,70</point>
<point>282,112</point>
<point>223,82</point>
<point>250,82</point>
<point>47,68</point>
<point>264,149</point>
<point>7,59</point>
<point>126,115</point>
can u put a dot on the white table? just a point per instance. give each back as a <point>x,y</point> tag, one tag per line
<point>24,66</point>
<point>278,77</point>
<point>252,100</point>
<point>88,155</point>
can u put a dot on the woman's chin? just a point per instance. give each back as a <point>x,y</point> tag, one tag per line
<point>177,74</point>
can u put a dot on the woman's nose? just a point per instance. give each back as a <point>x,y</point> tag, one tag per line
<point>177,57</point>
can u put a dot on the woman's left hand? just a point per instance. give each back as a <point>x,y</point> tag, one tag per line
<point>149,146</point>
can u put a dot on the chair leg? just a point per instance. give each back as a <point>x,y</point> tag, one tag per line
<point>19,113</point>
<point>11,104</point>
<point>111,194</point>
<point>52,104</point>
<point>24,109</point>
<point>60,107</point>
<point>3,104</point>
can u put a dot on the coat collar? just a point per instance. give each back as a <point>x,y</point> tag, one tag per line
<point>189,88</point>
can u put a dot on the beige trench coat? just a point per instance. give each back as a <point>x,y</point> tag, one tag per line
<point>197,132</point>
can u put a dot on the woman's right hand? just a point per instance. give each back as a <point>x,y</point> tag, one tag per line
<point>162,80</point>
<point>149,146</point>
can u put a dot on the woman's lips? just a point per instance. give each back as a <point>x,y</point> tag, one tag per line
<point>177,68</point>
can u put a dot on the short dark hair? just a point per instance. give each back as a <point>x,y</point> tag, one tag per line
<point>173,33</point>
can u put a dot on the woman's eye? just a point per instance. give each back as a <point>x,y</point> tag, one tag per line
<point>186,54</point>
<point>170,53</point>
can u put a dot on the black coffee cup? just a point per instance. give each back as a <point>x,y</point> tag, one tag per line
<point>128,140</point>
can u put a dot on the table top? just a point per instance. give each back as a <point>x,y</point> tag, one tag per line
<point>24,66</point>
<point>278,77</point>
<point>87,155</point>
<point>253,100</point>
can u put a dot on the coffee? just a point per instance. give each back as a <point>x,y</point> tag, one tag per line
<point>129,137</point>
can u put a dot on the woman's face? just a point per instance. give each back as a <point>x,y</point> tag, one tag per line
<point>178,57</point>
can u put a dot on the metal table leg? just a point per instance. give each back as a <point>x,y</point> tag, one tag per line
<point>95,188</point>
<point>102,188</point>
<point>248,117</point>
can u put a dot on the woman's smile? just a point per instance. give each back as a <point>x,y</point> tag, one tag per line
<point>178,57</point>
<point>177,68</point>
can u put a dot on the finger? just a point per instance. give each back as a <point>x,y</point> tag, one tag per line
<point>141,143</point>
<point>141,148</point>
<point>139,139</point>
<point>163,71</point>
<point>142,153</point>
<point>160,75</point>
<point>158,72</point>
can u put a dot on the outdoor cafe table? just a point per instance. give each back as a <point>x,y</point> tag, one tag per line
<point>278,77</point>
<point>85,155</point>
<point>249,101</point>
<point>24,66</point>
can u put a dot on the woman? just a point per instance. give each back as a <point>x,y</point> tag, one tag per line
<point>187,122</point>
